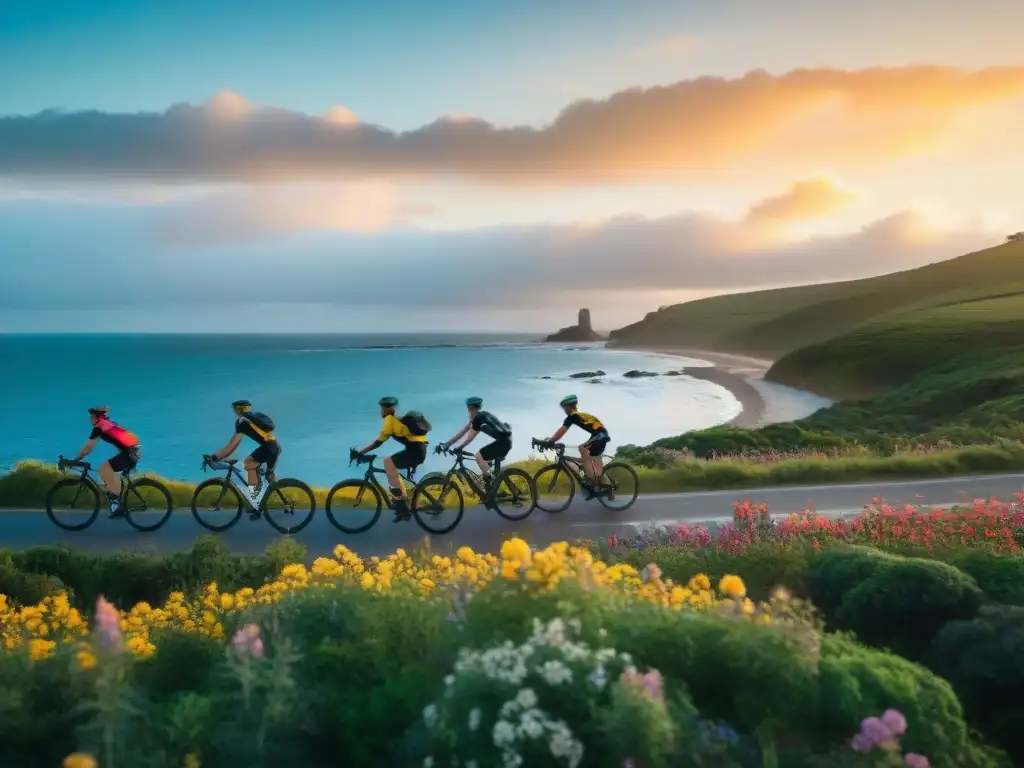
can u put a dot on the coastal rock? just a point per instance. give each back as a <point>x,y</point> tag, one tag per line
<point>582,331</point>
<point>674,373</point>
<point>588,374</point>
<point>639,374</point>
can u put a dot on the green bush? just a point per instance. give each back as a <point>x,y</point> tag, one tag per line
<point>984,660</point>
<point>890,601</point>
<point>1000,578</point>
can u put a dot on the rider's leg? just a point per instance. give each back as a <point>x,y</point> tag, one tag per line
<point>484,464</point>
<point>588,464</point>
<point>596,451</point>
<point>394,478</point>
<point>111,484</point>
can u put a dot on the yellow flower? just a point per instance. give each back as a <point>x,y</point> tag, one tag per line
<point>366,581</point>
<point>700,582</point>
<point>515,549</point>
<point>732,586</point>
<point>79,760</point>
<point>510,570</point>
<point>191,761</point>
<point>40,649</point>
<point>86,659</point>
<point>226,602</point>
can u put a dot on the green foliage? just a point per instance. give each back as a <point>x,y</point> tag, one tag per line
<point>984,660</point>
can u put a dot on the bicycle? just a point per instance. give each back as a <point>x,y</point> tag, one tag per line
<point>272,492</point>
<point>379,495</point>
<point>616,478</point>
<point>502,495</point>
<point>130,498</point>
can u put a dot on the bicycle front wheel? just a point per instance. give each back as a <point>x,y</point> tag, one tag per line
<point>73,503</point>
<point>353,506</point>
<point>216,504</point>
<point>289,505</point>
<point>147,504</point>
<point>621,486</point>
<point>555,487</point>
<point>514,497</point>
<point>437,505</point>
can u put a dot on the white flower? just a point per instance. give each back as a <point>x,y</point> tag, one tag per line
<point>512,759</point>
<point>526,698</point>
<point>428,762</point>
<point>471,764</point>
<point>474,719</point>
<point>508,709</point>
<point>503,734</point>
<point>602,632</point>
<point>532,723</point>
<point>449,680</point>
<point>575,625</point>
<point>598,678</point>
<point>556,673</point>
<point>430,715</point>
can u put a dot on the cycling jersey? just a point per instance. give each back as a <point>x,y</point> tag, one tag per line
<point>245,426</point>
<point>584,421</point>
<point>490,425</point>
<point>393,427</point>
<point>119,437</point>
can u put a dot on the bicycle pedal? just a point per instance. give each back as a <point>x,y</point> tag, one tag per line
<point>254,516</point>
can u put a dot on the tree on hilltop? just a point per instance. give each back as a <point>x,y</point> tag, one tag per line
<point>1016,237</point>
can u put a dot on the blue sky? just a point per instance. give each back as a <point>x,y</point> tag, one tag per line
<point>931,151</point>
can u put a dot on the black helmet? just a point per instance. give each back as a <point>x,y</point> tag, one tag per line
<point>244,404</point>
<point>99,410</point>
<point>569,400</point>
<point>475,402</point>
<point>388,402</point>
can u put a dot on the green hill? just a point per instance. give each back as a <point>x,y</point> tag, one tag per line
<point>772,323</point>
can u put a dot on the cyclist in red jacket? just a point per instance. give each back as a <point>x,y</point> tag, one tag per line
<point>127,457</point>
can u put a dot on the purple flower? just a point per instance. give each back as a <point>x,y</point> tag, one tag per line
<point>629,762</point>
<point>894,720</point>
<point>913,760</point>
<point>247,641</point>
<point>874,729</point>
<point>862,743</point>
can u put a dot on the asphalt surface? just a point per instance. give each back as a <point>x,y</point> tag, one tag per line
<point>484,530</point>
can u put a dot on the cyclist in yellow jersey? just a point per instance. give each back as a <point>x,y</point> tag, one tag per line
<point>592,451</point>
<point>411,456</point>
<point>268,450</point>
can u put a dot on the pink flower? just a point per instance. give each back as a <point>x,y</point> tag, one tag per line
<point>894,720</point>
<point>247,641</point>
<point>108,624</point>
<point>913,760</point>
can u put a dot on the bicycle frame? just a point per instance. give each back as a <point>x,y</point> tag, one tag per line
<point>371,478</point>
<point>86,467</point>
<point>240,482</point>
<point>470,476</point>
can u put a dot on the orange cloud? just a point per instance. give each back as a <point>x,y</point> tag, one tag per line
<point>805,201</point>
<point>693,129</point>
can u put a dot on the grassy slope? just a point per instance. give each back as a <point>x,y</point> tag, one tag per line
<point>774,322</point>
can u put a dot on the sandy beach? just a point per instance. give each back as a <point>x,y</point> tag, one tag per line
<point>762,402</point>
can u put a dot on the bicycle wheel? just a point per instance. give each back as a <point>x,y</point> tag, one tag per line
<point>514,497</point>
<point>73,503</point>
<point>289,505</point>
<point>358,504</point>
<point>147,504</point>
<point>216,504</point>
<point>554,488</point>
<point>625,486</point>
<point>437,505</point>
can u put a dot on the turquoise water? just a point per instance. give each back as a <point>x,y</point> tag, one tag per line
<point>175,393</point>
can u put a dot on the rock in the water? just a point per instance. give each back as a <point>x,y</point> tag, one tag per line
<point>588,374</point>
<point>582,331</point>
<point>634,374</point>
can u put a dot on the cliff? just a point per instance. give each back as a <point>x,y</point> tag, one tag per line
<point>582,331</point>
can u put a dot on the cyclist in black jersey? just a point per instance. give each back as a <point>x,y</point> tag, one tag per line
<point>489,424</point>
<point>592,451</point>
<point>248,424</point>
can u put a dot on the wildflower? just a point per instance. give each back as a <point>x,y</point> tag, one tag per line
<point>515,549</point>
<point>108,624</point>
<point>86,659</point>
<point>79,760</point>
<point>40,649</point>
<point>895,721</point>
<point>732,586</point>
<point>247,641</point>
<point>914,760</point>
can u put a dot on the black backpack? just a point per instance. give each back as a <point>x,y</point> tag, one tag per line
<point>262,421</point>
<point>416,423</point>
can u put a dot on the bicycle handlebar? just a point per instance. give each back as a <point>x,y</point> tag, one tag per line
<point>355,458</point>
<point>547,445</point>
<point>65,464</point>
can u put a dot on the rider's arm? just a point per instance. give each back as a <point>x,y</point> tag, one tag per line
<point>460,433</point>
<point>86,449</point>
<point>375,444</point>
<point>559,433</point>
<point>230,448</point>
<point>469,438</point>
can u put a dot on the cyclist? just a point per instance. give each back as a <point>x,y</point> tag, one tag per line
<point>260,429</point>
<point>591,452</point>
<point>413,453</point>
<point>496,429</point>
<point>127,457</point>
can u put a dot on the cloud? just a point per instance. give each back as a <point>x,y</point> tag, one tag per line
<point>806,200</point>
<point>665,48</point>
<point>692,129</point>
<point>478,271</point>
<point>248,215</point>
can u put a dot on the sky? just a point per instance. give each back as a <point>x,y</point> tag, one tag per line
<point>394,166</point>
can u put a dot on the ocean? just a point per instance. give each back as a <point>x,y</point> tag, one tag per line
<point>175,392</point>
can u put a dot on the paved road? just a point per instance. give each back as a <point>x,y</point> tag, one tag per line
<point>485,531</point>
